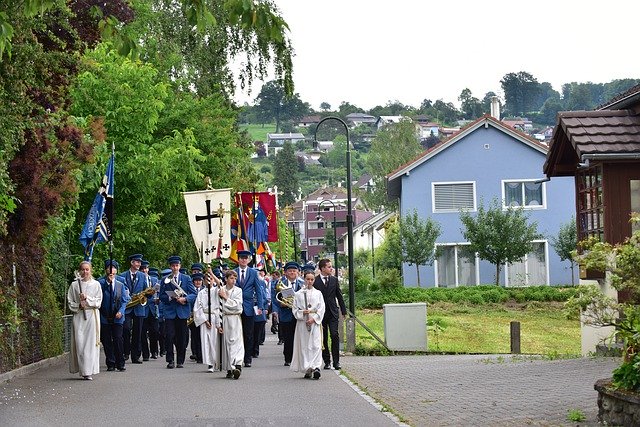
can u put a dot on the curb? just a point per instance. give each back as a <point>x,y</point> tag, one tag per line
<point>31,368</point>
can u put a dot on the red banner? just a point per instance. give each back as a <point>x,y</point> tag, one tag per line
<point>259,215</point>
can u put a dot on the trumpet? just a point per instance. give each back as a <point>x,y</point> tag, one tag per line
<point>141,297</point>
<point>287,301</point>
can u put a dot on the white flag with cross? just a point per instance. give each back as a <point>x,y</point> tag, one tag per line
<point>210,222</point>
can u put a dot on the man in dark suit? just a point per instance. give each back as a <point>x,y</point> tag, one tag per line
<point>252,295</point>
<point>328,285</point>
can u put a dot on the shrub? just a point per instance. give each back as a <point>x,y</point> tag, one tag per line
<point>389,279</point>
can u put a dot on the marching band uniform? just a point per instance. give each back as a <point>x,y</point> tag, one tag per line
<point>151,323</point>
<point>248,283</point>
<point>205,309</point>
<point>175,313</point>
<point>286,320</point>
<point>134,316</point>
<point>115,297</point>
<point>85,348</point>
<point>307,345</point>
<point>233,350</point>
<point>260,320</point>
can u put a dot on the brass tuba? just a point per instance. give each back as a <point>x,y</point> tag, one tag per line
<point>283,288</point>
<point>141,297</point>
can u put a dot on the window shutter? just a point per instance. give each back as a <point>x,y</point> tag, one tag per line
<point>450,197</point>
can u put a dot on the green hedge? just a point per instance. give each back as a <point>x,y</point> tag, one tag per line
<point>474,295</point>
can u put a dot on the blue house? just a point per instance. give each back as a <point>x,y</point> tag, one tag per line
<point>484,161</point>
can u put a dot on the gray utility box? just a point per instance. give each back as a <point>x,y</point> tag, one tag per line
<point>405,326</point>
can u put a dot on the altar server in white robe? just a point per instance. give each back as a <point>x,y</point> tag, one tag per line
<point>308,309</point>
<point>231,330</point>
<point>206,315</point>
<point>84,297</point>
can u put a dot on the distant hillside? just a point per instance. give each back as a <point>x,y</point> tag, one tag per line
<point>259,132</point>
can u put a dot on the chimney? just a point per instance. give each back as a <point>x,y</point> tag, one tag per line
<point>495,107</point>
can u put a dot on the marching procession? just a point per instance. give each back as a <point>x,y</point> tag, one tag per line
<point>141,314</point>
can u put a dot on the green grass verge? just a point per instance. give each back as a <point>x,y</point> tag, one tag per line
<point>259,132</point>
<point>544,329</point>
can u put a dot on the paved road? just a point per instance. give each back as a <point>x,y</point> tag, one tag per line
<point>474,390</point>
<point>466,390</point>
<point>149,394</point>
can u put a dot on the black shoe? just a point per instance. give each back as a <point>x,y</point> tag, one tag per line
<point>192,357</point>
<point>145,359</point>
<point>199,361</point>
<point>316,374</point>
<point>171,365</point>
<point>287,364</point>
<point>179,365</point>
<point>337,366</point>
<point>111,369</point>
<point>154,356</point>
<point>236,373</point>
<point>126,357</point>
<point>255,355</point>
<point>162,353</point>
<point>247,365</point>
<point>280,342</point>
<point>327,365</point>
<point>137,362</point>
<point>307,375</point>
<point>121,369</point>
<point>229,374</point>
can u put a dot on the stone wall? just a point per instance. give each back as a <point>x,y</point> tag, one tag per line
<point>617,407</point>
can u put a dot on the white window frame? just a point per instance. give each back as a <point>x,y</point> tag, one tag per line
<point>433,196</point>
<point>523,181</point>
<point>526,272</point>
<point>456,246</point>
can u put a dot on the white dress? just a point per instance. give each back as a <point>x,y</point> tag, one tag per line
<point>85,340</point>
<point>233,345</point>
<point>307,344</point>
<point>208,337</point>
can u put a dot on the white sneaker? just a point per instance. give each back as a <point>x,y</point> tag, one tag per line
<point>210,369</point>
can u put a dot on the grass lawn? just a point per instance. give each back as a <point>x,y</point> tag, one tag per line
<point>259,132</point>
<point>485,329</point>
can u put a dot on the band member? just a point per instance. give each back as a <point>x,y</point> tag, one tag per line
<point>328,285</point>
<point>308,309</point>
<point>206,316</point>
<point>161,341</point>
<point>275,278</point>
<point>196,267</point>
<point>286,321</point>
<point>248,282</point>
<point>84,297</point>
<point>260,320</point>
<point>115,297</point>
<point>177,294</point>
<point>232,337</point>
<point>194,329</point>
<point>150,329</point>
<point>135,281</point>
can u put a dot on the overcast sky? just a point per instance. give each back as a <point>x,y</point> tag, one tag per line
<point>369,52</point>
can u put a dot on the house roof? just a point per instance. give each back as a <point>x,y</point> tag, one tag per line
<point>623,100</point>
<point>310,119</point>
<point>582,135</point>
<point>271,136</point>
<point>393,179</point>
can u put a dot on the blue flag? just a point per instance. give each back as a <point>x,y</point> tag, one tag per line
<point>98,225</point>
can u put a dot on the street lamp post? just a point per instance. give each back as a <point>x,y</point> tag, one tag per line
<point>351,331</point>
<point>335,235</point>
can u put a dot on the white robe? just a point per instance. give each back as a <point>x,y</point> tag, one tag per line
<point>233,345</point>
<point>307,344</point>
<point>85,340</point>
<point>208,337</point>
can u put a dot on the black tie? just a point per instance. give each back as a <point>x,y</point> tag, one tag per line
<point>325,280</point>
<point>241,277</point>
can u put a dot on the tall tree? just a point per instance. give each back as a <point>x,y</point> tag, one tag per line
<point>470,105</point>
<point>521,90</point>
<point>272,104</point>
<point>392,146</point>
<point>499,235</point>
<point>565,243</point>
<point>418,239</point>
<point>325,106</point>
<point>285,167</point>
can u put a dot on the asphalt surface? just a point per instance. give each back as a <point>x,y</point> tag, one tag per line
<point>461,390</point>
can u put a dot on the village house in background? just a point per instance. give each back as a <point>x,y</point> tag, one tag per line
<point>484,161</point>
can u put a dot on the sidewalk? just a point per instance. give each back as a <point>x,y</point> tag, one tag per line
<point>482,390</point>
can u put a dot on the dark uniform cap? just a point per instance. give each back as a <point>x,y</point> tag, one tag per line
<point>291,264</point>
<point>144,263</point>
<point>197,266</point>
<point>197,276</point>
<point>135,257</point>
<point>174,259</point>
<point>244,253</point>
<point>108,262</point>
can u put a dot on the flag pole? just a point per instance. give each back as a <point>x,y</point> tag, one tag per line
<point>253,207</point>
<point>113,154</point>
